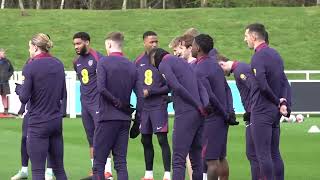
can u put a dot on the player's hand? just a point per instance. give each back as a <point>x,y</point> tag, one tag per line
<point>289,111</point>
<point>18,88</point>
<point>203,111</point>
<point>128,108</point>
<point>145,93</point>
<point>232,121</point>
<point>21,111</point>
<point>282,101</point>
<point>209,109</point>
<point>246,116</point>
<point>283,110</point>
<point>135,131</point>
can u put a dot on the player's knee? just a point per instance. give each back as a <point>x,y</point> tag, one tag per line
<point>120,165</point>
<point>146,140</point>
<point>163,140</point>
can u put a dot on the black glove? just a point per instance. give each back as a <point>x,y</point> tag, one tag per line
<point>209,109</point>
<point>289,111</point>
<point>135,131</point>
<point>168,99</point>
<point>246,116</point>
<point>18,88</point>
<point>22,109</point>
<point>232,121</point>
<point>124,107</point>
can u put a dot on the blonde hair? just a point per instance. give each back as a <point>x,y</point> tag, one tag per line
<point>192,32</point>
<point>42,41</point>
<point>116,37</point>
<point>175,42</point>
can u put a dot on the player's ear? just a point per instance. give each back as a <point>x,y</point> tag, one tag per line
<point>87,43</point>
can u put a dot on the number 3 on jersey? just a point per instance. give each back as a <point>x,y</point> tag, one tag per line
<point>148,77</point>
<point>85,76</point>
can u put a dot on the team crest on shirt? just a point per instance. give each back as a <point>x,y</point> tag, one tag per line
<point>90,62</point>
<point>243,77</point>
<point>255,71</point>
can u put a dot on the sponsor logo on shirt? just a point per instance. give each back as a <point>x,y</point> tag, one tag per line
<point>90,62</point>
<point>243,77</point>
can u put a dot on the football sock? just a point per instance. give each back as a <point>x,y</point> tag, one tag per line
<point>148,175</point>
<point>107,167</point>
<point>24,169</point>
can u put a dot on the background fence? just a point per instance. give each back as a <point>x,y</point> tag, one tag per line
<point>305,93</point>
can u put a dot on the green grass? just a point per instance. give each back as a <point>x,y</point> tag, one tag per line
<point>300,151</point>
<point>293,31</point>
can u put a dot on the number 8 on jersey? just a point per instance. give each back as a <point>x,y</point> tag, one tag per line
<point>148,77</point>
<point>85,76</point>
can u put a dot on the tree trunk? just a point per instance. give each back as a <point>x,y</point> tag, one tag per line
<point>143,4</point>
<point>124,5</point>
<point>164,4</point>
<point>21,5</point>
<point>30,4</point>
<point>23,11</point>
<point>204,3</point>
<point>91,4</point>
<point>318,2</point>
<point>2,4</point>
<point>62,4</point>
<point>226,3</point>
<point>38,4</point>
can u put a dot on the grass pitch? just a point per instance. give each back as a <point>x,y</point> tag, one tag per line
<point>299,149</point>
<point>293,31</point>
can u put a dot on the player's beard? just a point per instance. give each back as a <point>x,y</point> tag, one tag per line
<point>83,51</point>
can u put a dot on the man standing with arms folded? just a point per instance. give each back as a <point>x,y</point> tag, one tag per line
<point>6,71</point>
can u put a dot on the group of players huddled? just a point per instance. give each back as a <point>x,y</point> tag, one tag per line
<point>202,100</point>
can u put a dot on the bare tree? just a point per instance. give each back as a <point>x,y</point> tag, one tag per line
<point>226,3</point>
<point>2,3</point>
<point>143,4</point>
<point>62,4</point>
<point>204,3</point>
<point>23,11</point>
<point>38,4</point>
<point>124,5</point>
<point>91,4</point>
<point>21,5</point>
